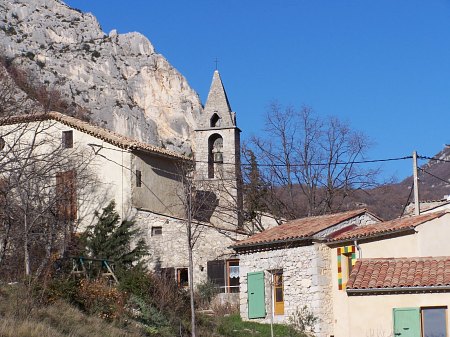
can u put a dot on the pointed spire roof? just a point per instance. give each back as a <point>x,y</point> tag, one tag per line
<point>218,103</point>
<point>217,97</point>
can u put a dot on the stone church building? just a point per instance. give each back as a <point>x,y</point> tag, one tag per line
<point>217,215</point>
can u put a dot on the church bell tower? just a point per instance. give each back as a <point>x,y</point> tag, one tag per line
<point>217,156</point>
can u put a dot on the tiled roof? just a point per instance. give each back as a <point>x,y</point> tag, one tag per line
<point>386,227</point>
<point>298,229</point>
<point>382,273</point>
<point>93,130</point>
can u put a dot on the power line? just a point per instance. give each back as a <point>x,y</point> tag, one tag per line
<point>407,200</point>
<point>434,159</point>
<point>316,164</point>
<point>434,176</point>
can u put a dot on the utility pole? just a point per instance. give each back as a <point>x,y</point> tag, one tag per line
<point>416,185</point>
<point>189,181</point>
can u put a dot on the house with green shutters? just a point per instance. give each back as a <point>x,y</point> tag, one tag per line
<point>397,281</point>
<point>287,267</point>
<point>358,275</point>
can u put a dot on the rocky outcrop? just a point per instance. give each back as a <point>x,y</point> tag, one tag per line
<point>127,86</point>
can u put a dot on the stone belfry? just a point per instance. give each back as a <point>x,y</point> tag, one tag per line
<point>217,156</point>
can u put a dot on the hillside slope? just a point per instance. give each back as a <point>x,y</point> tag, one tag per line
<point>388,201</point>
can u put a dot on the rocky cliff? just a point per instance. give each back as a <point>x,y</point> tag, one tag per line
<point>119,78</point>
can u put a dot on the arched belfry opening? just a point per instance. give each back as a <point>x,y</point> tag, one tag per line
<point>215,121</point>
<point>215,155</point>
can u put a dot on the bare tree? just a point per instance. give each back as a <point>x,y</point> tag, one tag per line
<point>41,184</point>
<point>40,181</point>
<point>307,163</point>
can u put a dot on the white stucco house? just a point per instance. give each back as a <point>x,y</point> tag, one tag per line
<point>392,278</point>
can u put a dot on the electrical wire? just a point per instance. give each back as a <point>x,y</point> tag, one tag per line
<point>407,200</point>
<point>317,164</point>
<point>434,159</point>
<point>438,178</point>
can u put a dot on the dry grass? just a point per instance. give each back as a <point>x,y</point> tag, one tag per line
<point>20,318</point>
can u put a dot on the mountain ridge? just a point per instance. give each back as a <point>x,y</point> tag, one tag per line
<point>126,85</point>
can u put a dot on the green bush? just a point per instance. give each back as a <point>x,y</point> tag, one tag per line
<point>303,320</point>
<point>61,288</point>
<point>206,291</point>
<point>146,314</point>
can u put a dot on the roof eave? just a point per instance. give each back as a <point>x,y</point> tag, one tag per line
<point>266,245</point>
<point>439,288</point>
<point>369,237</point>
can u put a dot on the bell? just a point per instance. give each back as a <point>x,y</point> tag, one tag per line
<point>218,157</point>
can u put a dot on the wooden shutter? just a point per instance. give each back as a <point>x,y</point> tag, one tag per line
<point>407,322</point>
<point>216,273</point>
<point>66,194</point>
<point>67,139</point>
<point>256,299</point>
<point>168,274</point>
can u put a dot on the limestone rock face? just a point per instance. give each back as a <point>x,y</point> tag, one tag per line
<point>127,86</point>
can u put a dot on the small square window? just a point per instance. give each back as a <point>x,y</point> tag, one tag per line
<point>157,230</point>
<point>138,178</point>
<point>67,139</point>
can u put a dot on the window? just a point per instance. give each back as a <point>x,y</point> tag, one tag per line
<point>215,155</point>
<point>232,276</point>
<point>138,178</point>
<point>215,120</point>
<point>278,292</point>
<point>182,277</point>
<point>423,322</point>
<point>224,274</point>
<point>66,197</point>
<point>156,230</point>
<point>434,322</point>
<point>67,139</point>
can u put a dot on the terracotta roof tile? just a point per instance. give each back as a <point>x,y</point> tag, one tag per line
<point>299,228</point>
<point>385,227</point>
<point>93,130</point>
<point>379,273</point>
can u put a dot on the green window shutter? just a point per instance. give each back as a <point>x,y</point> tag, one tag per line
<point>407,322</point>
<point>255,289</point>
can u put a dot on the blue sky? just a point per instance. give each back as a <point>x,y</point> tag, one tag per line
<point>383,66</point>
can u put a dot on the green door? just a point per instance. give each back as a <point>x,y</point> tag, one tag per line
<point>255,288</point>
<point>407,322</point>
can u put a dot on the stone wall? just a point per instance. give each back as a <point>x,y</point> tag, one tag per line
<point>307,281</point>
<point>170,249</point>
<point>362,220</point>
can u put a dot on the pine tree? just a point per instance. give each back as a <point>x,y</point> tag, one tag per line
<point>112,239</point>
<point>255,189</point>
